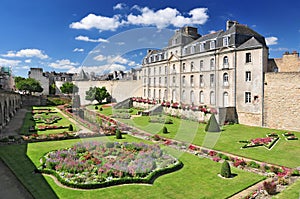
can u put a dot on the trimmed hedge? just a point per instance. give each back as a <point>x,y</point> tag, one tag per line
<point>128,180</point>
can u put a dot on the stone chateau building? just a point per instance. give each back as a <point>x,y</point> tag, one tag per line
<point>220,70</point>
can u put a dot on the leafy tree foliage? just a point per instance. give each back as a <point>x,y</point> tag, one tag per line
<point>28,85</point>
<point>97,93</point>
<point>69,87</point>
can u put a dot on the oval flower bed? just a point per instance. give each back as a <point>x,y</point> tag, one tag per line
<point>98,164</point>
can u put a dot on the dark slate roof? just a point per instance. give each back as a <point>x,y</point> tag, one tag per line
<point>253,42</point>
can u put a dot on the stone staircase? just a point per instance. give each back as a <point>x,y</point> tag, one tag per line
<point>155,110</point>
<point>126,104</point>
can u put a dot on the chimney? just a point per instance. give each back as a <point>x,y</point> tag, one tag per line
<point>230,23</point>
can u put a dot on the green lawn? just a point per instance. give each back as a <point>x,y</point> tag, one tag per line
<point>283,153</point>
<point>292,191</point>
<point>17,160</point>
<point>197,179</point>
<point>62,122</point>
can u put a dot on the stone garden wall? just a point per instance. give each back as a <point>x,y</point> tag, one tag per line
<point>282,101</point>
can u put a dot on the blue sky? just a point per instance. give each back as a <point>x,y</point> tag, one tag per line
<point>64,35</point>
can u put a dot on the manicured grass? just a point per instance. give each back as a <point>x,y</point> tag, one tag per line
<point>283,153</point>
<point>292,191</point>
<point>197,179</point>
<point>27,123</point>
<point>15,157</point>
<point>62,122</point>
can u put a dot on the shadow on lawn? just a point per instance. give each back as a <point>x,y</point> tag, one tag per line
<point>16,159</point>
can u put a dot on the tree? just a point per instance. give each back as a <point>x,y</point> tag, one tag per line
<point>225,170</point>
<point>52,89</point>
<point>68,88</point>
<point>97,93</point>
<point>29,85</point>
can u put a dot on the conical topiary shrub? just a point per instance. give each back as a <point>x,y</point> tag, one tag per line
<point>118,134</point>
<point>225,170</point>
<point>212,125</point>
<point>70,127</point>
<point>165,130</point>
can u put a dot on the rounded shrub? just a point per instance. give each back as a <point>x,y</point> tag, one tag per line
<point>71,127</point>
<point>101,109</point>
<point>225,170</point>
<point>165,130</point>
<point>118,134</point>
<point>96,107</point>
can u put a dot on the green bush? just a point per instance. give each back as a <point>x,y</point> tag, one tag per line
<point>118,134</point>
<point>224,157</point>
<point>109,144</point>
<point>165,130</point>
<point>168,121</point>
<point>225,170</point>
<point>71,127</point>
<point>96,107</point>
<point>101,109</point>
<point>253,164</point>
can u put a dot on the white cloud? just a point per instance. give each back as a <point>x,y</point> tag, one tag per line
<point>27,61</point>
<point>114,59</point>
<point>78,50</point>
<point>279,49</point>
<point>99,69</point>
<point>8,62</point>
<point>63,64</point>
<point>161,18</point>
<point>212,31</point>
<point>119,6</point>
<point>168,16</point>
<point>85,38</point>
<point>121,43</point>
<point>27,53</point>
<point>22,67</point>
<point>98,22</point>
<point>271,41</point>
<point>100,57</point>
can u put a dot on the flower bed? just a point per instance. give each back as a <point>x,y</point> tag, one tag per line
<point>47,120</point>
<point>99,164</point>
<point>267,142</point>
<point>48,127</point>
<point>290,136</point>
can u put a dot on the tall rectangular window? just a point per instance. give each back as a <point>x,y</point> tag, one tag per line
<point>166,81</point>
<point>201,65</point>
<point>248,76</point>
<point>247,97</point>
<point>201,81</point>
<point>183,67</point>
<point>192,81</point>
<point>212,80</point>
<point>248,57</point>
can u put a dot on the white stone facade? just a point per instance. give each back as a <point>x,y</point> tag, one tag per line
<point>222,69</point>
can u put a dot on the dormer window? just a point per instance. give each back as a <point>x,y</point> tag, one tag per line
<point>225,41</point>
<point>201,47</point>
<point>212,44</point>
